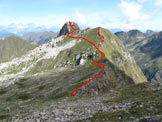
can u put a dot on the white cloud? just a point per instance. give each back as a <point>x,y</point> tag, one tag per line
<point>129,26</point>
<point>153,2</point>
<point>131,18</point>
<point>80,17</point>
<point>142,1</point>
<point>48,21</point>
<point>158,2</point>
<point>132,11</point>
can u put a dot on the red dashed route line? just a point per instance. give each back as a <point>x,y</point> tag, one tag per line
<point>100,35</point>
<point>94,62</point>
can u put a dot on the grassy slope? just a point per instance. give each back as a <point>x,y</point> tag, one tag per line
<point>118,55</point>
<point>145,101</point>
<point>112,47</point>
<point>12,47</point>
<point>34,93</point>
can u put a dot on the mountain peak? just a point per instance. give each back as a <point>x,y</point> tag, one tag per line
<point>150,32</point>
<point>135,31</point>
<point>67,29</point>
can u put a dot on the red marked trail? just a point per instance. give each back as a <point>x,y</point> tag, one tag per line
<point>94,62</point>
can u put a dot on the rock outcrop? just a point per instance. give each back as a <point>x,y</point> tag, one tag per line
<point>67,29</point>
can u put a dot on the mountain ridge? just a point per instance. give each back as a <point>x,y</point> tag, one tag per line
<point>146,52</point>
<point>12,47</point>
<point>41,81</point>
<point>76,53</point>
<point>39,37</point>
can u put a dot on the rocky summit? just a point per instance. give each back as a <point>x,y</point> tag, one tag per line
<point>37,86</point>
<point>67,29</point>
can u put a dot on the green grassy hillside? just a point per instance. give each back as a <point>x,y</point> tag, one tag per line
<point>12,47</point>
<point>112,47</point>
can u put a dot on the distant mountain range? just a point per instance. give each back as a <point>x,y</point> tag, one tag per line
<point>40,37</point>
<point>150,32</point>
<point>131,37</point>
<point>34,35</point>
<point>4,34</point>
<point>147,50</point>
<point>21,29</point>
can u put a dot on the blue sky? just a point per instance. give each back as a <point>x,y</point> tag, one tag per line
<point>124,14</point>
